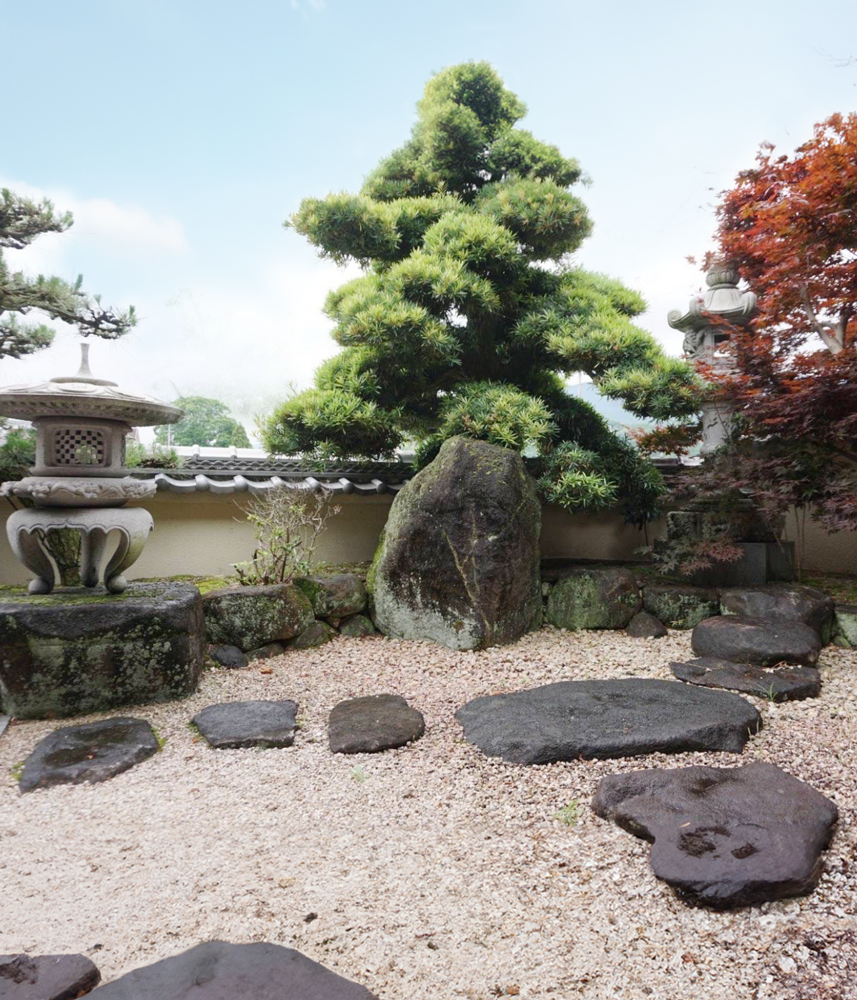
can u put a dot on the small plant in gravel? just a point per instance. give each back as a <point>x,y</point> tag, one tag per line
<point>568,814</point>
<point>358,774</point>
<point>18,770</point>
<point>161,740</point>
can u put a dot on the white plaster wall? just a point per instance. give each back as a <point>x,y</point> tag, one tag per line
<point>203,535</point>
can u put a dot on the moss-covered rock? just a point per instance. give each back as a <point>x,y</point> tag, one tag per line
<point>356,626</point>
<point>845,626</point>
<point>250,617</point>
<point>680,606</point>
<point>334,595</point>
<point>459,560</point>
<point>594,597</point>
<point>316,635</point>
<point>73,653</point>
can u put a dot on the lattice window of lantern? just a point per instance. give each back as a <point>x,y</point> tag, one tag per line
<point>78,446</point>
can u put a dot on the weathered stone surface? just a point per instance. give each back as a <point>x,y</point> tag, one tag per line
<point>751,640</point>
<point>606,718</point>
<point>235,725</point>
<point>228,656</point>
<point>779,684</point>
<point>249,617</point>
<point>679,606</point>
<point>267,651</point>
<point>374,723</point>
<point>782,602</point>
<point>357,625</point>
<point>76,652</point>
<point>93,752</point>
<point>46,977</point>
<point>845,625</point>
<point>316,635</point>
<point>724,836</point>
<point>594,597</point>
<point>334,595</point>
<point>646,626</point>
<point>220,971</point>
<point>458,562</point>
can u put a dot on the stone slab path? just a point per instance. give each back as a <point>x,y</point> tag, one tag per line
<point>238,725</point>
<point>46,977</point>
<point>779,684</point>
<point>374,723</point>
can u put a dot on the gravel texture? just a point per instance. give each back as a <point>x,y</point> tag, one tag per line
<point>428,871</point>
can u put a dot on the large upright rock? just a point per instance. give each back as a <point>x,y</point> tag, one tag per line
<point>459,559</point>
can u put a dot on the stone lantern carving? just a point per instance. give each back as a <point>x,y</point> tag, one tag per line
<point>705,334</point>
<point>79,480</point>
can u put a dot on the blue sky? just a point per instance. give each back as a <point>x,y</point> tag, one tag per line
<point>182,132</point>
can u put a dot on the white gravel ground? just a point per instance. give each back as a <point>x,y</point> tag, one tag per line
<point>433,872</point>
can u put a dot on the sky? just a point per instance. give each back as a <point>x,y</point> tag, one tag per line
<point>181,133</point>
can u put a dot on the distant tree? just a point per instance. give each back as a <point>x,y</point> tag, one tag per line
<point>206,422</point>
<point>21,222</point>
<point>470,316</point>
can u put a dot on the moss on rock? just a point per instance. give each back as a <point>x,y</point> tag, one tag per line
<point>594,597</point>
<point>250,617</point>
<point>679,606</point>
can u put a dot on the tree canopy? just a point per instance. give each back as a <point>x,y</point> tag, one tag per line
<point>206,422</point>
<point>21,222</point>
<point>471,314</point>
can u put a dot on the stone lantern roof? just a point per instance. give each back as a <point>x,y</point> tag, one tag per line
<point>723,302</point>
<point>82,395</point>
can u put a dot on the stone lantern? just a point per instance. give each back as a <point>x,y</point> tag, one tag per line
<point>79,480</point>
<point>705,334</point>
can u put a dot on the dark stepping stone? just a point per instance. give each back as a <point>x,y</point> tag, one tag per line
<point>236,725</point>
<point>228,656</point>
<point>357,625</point>
<point>266,652</point>
<point>780,684</point>
<point>374,723</point>
<point>220,971</point>
<point>92,752</point>
<point>46,977</point>
<point>724,836</point>
<point>782,602</point>
<point>604,719</point>
<point>646,626</point>
<point>751,640</point>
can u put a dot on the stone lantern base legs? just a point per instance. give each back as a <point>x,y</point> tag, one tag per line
<point>26,529</point>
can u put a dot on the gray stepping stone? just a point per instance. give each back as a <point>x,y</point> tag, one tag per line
<point>92,752</point>
<point>220,971</point>
<point>229,656</point>
<point>778,684</point>
<point>603,719</point>
<point>784,602</point>
<point>646,626</point>
<point>724,837</point>
<point>236,725</point>
<point>46,977</point>
<point>751,640</point>
<point>374,723</point>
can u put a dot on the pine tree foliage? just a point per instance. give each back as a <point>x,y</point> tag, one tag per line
<point>470,314</point>
<point>21,222</point>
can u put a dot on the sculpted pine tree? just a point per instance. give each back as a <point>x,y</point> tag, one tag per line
<point>470,314</point>
<point>21,222</point>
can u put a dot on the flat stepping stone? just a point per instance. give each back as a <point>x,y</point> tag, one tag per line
<point>780,684</point>
<point>220,971</point>
<point>724,837</point>
<point>46,977</point>
<point>603,719</point>
<point>92,752</point>
<point>646,626</point>
<point>237,725</point>
<point>751,640</point>
<point>374,723</point>
<point>784,602</point>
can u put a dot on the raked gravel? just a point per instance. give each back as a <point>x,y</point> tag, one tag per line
<point>430,871</point>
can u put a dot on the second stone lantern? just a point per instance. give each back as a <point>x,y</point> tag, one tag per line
<point>79,481</point>
<point>705,328</point>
